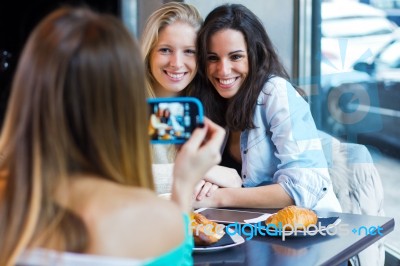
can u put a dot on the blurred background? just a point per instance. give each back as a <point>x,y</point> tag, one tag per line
<point>345,54</point>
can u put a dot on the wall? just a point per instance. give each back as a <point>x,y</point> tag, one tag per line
<point>277,17</point>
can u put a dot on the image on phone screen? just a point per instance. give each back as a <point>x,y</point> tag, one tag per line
<point>172,121</point>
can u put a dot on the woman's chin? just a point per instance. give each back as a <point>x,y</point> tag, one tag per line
<point>226,94</point>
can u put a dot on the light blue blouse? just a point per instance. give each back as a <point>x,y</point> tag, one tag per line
<point>285,146</point>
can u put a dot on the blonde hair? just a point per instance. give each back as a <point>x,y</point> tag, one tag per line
<point>76,108</point>
<point>167,14</point>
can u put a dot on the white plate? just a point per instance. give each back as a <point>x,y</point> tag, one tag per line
<point>236,238</point>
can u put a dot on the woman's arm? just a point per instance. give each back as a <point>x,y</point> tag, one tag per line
<point>194,159</point>
<point>302,170</point>
<point>218,176</point>
<point>271,196</point>
<point>223,176</point>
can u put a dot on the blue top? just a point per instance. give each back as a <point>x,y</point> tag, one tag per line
<point>285,146</point>
<point>181,256</point>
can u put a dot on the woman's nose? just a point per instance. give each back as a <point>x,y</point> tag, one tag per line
<point>224,68</point>
<point>176,60</point>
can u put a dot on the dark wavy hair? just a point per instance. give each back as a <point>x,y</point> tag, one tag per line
<point>263,64</point>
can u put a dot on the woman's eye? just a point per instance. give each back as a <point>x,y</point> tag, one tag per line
<point>212,58</point>
<point>165,50</point>
<point>236,57</point>
<point>190,51</point>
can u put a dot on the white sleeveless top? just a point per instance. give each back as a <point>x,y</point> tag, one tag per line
<point>42,257</point>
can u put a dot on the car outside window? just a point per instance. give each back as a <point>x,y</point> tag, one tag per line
<point>390,57</point>
<point>360,26</point>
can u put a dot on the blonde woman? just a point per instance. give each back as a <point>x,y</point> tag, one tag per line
<point>169,49</point>
<point>75,169</point>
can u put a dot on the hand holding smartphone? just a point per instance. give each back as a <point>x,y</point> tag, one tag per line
<point>172,120</point>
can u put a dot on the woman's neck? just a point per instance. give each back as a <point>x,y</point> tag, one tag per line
<point>162,92</point>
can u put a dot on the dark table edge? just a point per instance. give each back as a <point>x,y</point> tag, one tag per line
<point>357,248</point>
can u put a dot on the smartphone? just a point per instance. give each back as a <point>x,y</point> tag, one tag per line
<point>172,120</point>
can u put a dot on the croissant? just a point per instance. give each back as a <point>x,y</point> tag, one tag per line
<point>297,217</point>
<point>205,232</point>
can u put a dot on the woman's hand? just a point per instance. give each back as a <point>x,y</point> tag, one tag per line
<point>217,176</point>
<point>194,159</point>
<point>204,189</point>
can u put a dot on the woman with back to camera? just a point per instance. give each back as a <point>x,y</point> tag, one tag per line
<point>273,141</point>
<point>169,49</point>
<point>75,155</point>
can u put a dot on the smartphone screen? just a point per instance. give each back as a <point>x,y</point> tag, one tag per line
<point>172,120</point>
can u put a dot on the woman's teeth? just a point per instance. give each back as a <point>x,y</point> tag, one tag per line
<point>227,81</point>
<point>176,76</point>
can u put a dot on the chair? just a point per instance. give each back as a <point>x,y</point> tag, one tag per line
<point>357,185</point>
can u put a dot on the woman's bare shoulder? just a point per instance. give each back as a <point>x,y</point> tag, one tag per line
<point>123,217</point>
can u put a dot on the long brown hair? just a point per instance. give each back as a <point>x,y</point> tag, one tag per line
<point>76,108</point>
<point>263,64</point>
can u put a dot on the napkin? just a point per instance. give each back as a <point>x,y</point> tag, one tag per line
<point>327,221</point>
<point>261,218</point>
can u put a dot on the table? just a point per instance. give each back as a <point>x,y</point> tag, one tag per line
<point>310,250</point>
